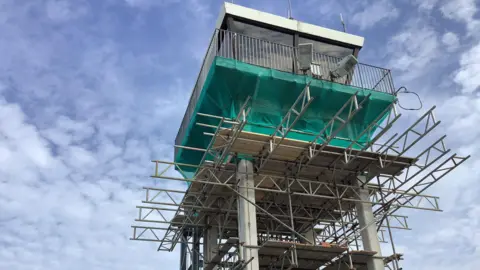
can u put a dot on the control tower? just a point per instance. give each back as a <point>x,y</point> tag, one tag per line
<point>292,154</point>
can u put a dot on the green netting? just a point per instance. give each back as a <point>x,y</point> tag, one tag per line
<point>273,92</point>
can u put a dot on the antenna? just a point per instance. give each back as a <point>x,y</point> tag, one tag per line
<point>343,23</point>
<point>290,9</point>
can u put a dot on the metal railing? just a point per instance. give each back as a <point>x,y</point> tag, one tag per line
<point>361,76</point>
<point>255,51</point>
<point>281,57</point>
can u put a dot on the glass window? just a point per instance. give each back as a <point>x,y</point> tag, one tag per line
<point>262,46</point>
<point>327,49</point>
<point>262,33</point>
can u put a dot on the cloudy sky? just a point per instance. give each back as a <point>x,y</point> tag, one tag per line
<point>90,91</point>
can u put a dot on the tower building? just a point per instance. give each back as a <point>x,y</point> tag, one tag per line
<point>292,155</point>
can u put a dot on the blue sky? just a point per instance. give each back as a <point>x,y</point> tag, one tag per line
<point>91,91</point>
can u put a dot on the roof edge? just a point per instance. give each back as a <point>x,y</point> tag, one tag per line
<point>290,24</point>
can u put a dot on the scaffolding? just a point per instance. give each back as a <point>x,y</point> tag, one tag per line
<point>308,199</point>
<point>287,167</point>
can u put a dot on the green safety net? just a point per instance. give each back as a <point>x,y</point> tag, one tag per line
<point>272,92</point>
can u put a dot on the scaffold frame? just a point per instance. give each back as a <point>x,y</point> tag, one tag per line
<point>286,185</point>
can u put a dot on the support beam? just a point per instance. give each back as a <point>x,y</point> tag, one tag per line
<point>247,222</point>
<point>368,228</point>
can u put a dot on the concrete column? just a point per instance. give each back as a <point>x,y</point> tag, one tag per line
<point>369,232</point>
<point>183,253</point>
<point>196,249</point>
<point>310,235</point>
<point>247,215</point>
<point>210,245</point>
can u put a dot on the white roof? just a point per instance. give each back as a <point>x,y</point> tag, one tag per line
<point>290,24</point>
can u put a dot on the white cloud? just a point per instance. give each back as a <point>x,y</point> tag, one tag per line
<point>78,127</point>
<point>150,3</point>
<point>63,10</point>
<point>458,113</point>
<point>473,28</point>
<point>459,10</point>
<point>413,49</point>
<point>22,138</point>
<point>426,4</point>
<point>373,13</point>
<point>66,204</point>
<point>326,12</point>
<point>468,75</point>
<point>66,131</point>
<point>451,41</point>
<point>462,11</point>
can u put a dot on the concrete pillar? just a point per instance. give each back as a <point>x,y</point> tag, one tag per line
<point>196,249</point>
<point>310,235</point>
<point>369,232</point>
<point>340,266</point>
<point>183,253</point>
<point>210,244</point>
<point>247,220</point>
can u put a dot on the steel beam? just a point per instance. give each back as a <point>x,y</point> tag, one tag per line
<point>296,111</point>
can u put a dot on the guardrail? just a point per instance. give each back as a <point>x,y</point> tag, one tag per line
<point>281,57</point>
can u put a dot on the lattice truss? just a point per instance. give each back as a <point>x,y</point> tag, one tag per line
<point>301,187</point>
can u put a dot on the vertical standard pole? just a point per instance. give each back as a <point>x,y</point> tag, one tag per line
<point>210,237</point>
<point>247,215</point>
<point>369,233</point>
